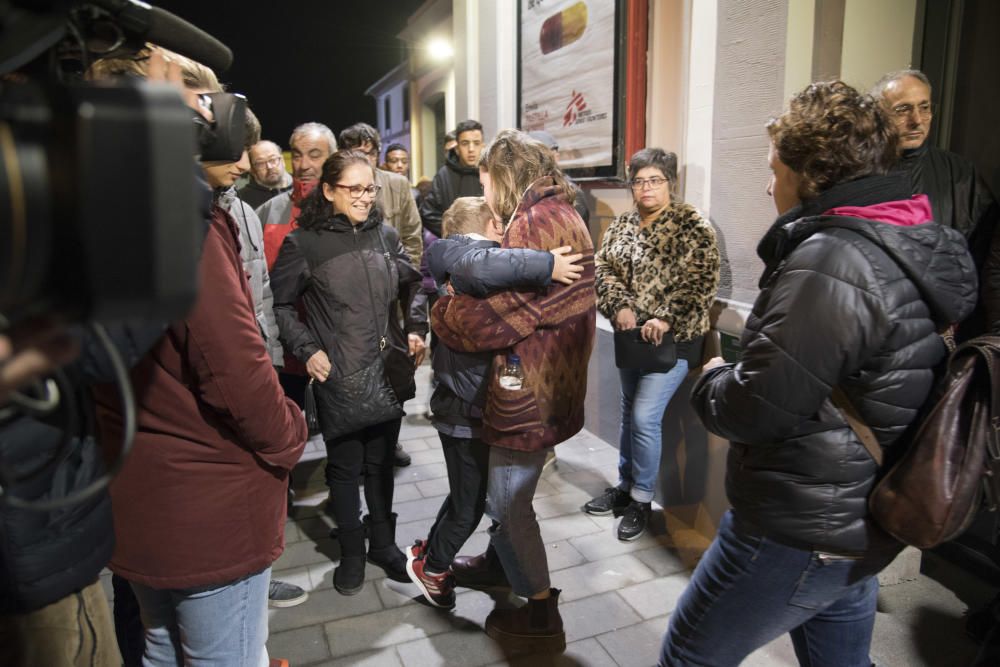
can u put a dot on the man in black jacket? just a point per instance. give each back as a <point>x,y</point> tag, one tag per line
<point>959,197</point>
<point>268,177</point>
<point>459,177</point>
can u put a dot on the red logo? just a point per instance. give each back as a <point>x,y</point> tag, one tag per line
<point>575,106</point>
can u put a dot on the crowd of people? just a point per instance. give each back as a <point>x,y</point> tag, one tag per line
<point>324,289</point>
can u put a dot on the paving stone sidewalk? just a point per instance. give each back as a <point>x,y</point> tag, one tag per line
<point>616,596</point>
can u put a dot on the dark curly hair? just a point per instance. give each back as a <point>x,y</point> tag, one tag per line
<point>315,211</point>
<point>357,134</point>
<point>830,134</point>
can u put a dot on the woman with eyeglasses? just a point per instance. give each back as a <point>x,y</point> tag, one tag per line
<point>658,272</point>
<point>351,272</point>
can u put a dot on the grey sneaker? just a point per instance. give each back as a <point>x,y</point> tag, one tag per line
<point>282,594</point>
<point>633,523</point>
<point>613,500</point>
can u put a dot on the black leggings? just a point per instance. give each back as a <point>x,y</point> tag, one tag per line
<point>368,454</point>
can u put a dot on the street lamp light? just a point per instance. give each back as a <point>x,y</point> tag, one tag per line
<point>439,49</point>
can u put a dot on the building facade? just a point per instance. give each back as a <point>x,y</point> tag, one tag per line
<point>705,77</point>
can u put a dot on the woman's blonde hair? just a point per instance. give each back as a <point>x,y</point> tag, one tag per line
<point>466,215</point>
<point>514,161</point>
<point>195,75</point>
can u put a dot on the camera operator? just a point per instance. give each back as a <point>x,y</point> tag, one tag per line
<point>55,514</point>
<point>199,506</point>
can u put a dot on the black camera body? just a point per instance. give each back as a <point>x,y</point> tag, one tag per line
<point>102,206</point>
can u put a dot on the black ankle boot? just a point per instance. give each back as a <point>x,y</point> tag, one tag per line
<point>382,549</point>
<point>349,577</point>
<point>534,628</point>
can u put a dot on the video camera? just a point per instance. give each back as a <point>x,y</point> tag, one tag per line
<point>100,209</point>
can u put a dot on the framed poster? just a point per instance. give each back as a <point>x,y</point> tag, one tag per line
<point>570,75</point>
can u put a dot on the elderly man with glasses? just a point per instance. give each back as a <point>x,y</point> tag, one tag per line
<point>268,177</point>
<point>959,197</point>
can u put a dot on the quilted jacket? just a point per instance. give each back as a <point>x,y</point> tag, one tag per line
<point>855,286</point>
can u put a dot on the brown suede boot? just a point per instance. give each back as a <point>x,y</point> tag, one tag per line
<point>536,627</point>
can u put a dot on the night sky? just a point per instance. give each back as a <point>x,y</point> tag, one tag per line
<point>304,60</point>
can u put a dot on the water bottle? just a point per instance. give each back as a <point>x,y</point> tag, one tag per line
<point>512,376</point>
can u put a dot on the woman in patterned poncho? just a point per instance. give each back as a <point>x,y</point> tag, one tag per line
<point>658,269</point>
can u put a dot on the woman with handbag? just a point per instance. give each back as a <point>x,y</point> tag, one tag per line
<point>857,280</point>
<point>350,272</point>
<point>657,276</point>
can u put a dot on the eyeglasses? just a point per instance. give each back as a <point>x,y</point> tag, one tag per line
<point>357,191</point>
<point>270,162</point>
<point>653,183</point>
<point>901,111</point>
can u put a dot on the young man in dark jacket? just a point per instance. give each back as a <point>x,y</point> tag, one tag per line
<point>459,177</point>
<point>470,259</point>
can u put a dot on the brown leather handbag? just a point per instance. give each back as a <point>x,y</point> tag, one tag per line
<point>951,465</point>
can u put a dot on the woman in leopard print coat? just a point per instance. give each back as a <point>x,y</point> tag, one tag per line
<point>658,268</point>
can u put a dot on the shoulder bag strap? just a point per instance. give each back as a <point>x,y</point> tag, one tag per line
<point>857,424</point>
<point>371,294</point>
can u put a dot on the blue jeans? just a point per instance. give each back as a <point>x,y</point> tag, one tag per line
<point>207,626</point>
<point>748,590</point>
<point>515,535</point>
<point>644,399</point>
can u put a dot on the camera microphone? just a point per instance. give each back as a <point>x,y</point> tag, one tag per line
<point>160,27</point>
<point>176,34</point>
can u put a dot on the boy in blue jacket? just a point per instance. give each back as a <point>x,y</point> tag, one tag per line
<point>469,259</point>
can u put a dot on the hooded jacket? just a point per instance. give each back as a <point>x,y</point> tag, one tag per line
<point>452,181</point>
<point>201,500</point>
<point>850,299</point>
<point>251,238</point>
<point>326,268</point>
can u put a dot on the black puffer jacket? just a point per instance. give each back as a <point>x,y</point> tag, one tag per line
<point>327,269</point>
<point>452,181</point>
<point>844,301</point>
<point>49,554</point>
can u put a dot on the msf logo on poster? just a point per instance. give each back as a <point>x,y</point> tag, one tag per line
<point>577,105</point>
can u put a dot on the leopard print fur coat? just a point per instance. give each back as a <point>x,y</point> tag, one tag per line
<point>668,270</point>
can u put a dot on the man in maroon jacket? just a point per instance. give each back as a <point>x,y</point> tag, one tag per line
<point>199,506</point>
